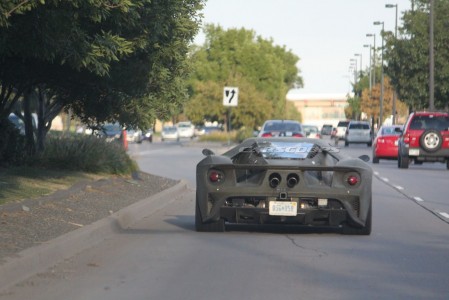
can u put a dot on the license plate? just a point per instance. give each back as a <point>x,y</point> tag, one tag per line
<point>413,152</point>
<point>283,208</point>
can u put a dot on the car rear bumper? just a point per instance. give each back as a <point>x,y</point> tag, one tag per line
<point>390,152</point>
<point>322,217</point>
<point>422,155</point>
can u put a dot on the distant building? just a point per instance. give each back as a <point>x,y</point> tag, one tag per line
<point>319,109</point>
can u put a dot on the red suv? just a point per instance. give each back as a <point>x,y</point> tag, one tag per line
<point>424,138</point>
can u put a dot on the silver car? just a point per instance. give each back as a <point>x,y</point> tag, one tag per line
<point>170,133</point>
<point>359,132</point>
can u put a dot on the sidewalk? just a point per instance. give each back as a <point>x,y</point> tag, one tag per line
<point>39,258</point>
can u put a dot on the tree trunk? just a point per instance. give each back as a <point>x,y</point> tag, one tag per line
<point>28,120</point>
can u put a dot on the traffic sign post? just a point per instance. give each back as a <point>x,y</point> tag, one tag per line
<point>230,98</point>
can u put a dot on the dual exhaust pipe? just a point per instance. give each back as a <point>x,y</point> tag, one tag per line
<point>275,179</point>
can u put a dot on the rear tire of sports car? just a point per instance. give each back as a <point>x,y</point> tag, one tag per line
<point>349,230</point>
<point>431,140</point>
<point>218,226</point>
<point>403,161</point>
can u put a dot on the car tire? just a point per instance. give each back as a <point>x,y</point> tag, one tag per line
<point>375,159</point>
<point>218,226</point>
<point>431,140</point>
<point>366,230</point>
<point>403,161</point>
<point>369,144</point>
<point>447,164</point>
<point>346,143</point>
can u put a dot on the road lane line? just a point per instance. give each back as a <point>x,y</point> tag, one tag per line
<point>444,214</point>
<point>418,199</point>
<point>385,179</point>
<point>398,187</point>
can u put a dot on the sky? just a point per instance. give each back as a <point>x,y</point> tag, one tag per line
<point>324,34</point>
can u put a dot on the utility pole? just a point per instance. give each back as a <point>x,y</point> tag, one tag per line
<point>432,60</point>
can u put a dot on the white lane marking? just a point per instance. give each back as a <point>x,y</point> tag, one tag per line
<point>399,187</point>
<point>385,179</point>
<point>446,215</point>
<point>376,173</point>
<point>418,199</point>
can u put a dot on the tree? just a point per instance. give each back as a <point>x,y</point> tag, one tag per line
<point>408,56</point>
<point>370,102</point>
<point>263,72</point>
<point>120,60</point>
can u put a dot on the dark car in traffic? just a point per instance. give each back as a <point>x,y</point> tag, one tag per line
<point>284,181</point>
<point>281,128</point>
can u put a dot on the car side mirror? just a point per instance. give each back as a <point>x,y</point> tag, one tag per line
<point>208,152</point>
<point>365,158</point>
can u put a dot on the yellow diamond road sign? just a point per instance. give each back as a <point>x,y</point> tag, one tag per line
<point>230,96</point>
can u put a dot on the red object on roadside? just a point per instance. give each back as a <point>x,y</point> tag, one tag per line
<point>125,140</point>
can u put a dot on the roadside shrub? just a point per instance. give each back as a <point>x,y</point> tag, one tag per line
<point>243,133</point>
<point>12,144</point>
<point>86,153</point>
<point>218,136</point>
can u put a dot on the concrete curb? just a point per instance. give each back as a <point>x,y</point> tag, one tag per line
<point>38,259</point>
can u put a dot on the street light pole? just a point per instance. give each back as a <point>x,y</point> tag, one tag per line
<point>374,57</point>
<point>431,59</point>
<point>370,64</point>
<point>360,70</point>
<point>353,60</point>
<point>382,75</point>
<point>395,39</point>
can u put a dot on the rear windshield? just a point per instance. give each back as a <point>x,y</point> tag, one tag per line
<point>286,150</point>
<point>359,126</point>
<point>342,124</point>
<point>282,126</point>
<point>430,122</point>
<point>390,131</point>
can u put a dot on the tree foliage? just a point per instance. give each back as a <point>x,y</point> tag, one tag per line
<point>105,60</point>
<point>263,72</point>
<point>370,102</point>
<point>408,56</point>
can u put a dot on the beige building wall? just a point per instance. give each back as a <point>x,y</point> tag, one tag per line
<point>320,109</point>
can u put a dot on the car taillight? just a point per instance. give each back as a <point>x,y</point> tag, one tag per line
<point>297,135</point>
<point>267,134</point>
<point>216,176</point>
<point>352,180</point>
<point>407,138</point>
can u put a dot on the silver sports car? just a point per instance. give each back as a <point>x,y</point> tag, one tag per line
<point>284,181</point>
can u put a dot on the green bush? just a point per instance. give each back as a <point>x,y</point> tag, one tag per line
<point>12,144</point>
<point>218,136</point>
<point>244,133</point>
<point>85,153</point>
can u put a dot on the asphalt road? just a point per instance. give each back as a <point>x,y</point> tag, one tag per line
<point>162,257</point>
